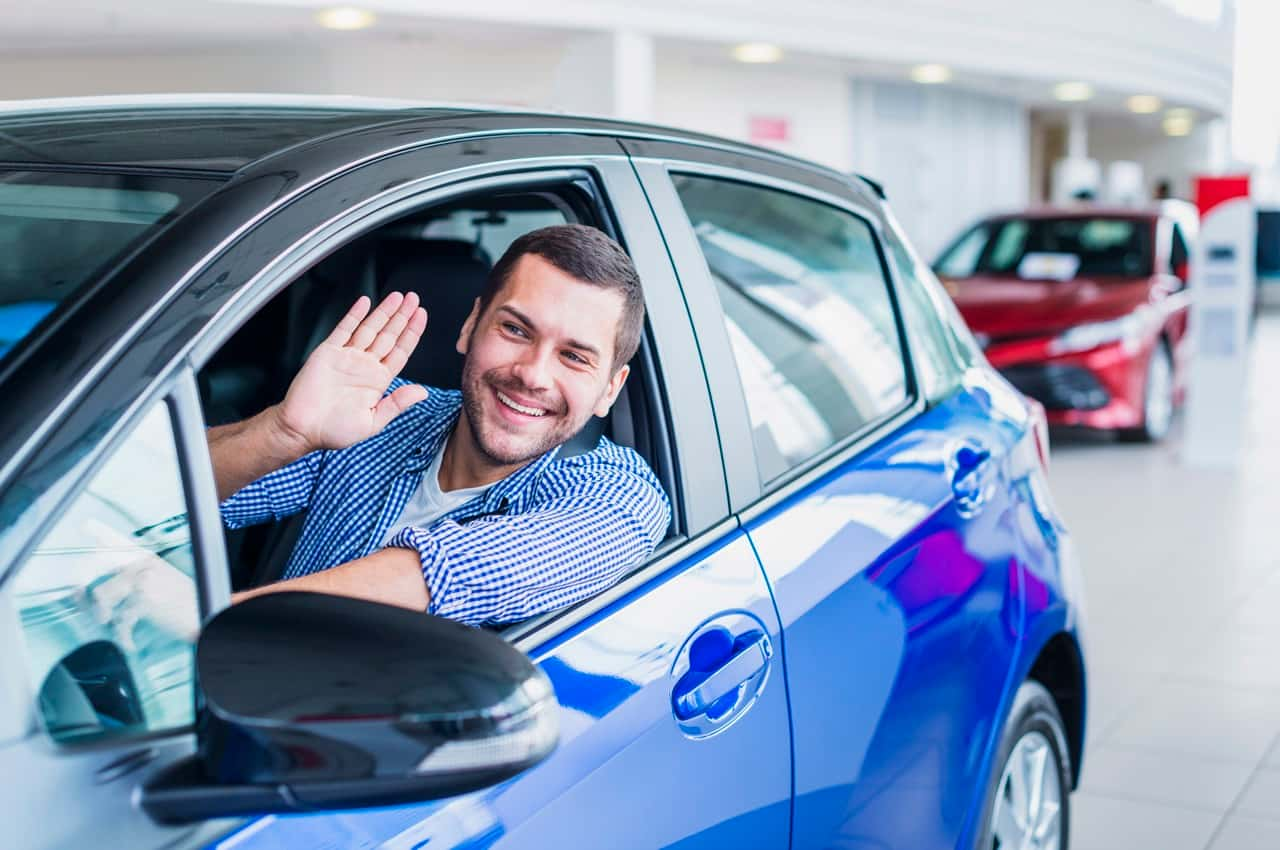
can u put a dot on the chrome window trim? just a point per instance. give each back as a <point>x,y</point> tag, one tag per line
<point>845,449</point>
<point>213,577</point>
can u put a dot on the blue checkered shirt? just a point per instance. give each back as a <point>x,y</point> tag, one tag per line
<point>555,531</point>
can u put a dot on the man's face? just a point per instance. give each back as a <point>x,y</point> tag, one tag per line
<point>539,362</point>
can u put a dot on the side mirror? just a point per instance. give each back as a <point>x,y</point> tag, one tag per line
<point>316,702</point>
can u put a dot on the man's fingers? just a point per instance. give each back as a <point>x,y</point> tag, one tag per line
<point>386,338</point>
<point>375,322</point>
<point>398,402</point>
<point>406,342</point>
<point>342,333</point>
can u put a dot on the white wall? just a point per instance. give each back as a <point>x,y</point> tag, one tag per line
<point>720,97</point>
<point>945,157</point>
<point>428,70</point>
<point>1162,157</point>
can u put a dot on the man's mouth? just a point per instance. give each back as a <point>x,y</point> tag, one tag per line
<point>517,406</point>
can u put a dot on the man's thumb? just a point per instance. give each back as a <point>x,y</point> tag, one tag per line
<point>398,402</point>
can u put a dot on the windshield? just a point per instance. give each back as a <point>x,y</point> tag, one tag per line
<point>1021,246</point>
<point>60,231</point>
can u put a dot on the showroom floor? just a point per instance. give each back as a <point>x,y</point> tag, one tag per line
<point>1182,569</point>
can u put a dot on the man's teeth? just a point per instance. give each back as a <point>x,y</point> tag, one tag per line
<point>527,411</point>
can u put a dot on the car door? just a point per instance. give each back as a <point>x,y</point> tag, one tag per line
<point>674,729</point>
<point>878,506</point>
<point>99,679</point>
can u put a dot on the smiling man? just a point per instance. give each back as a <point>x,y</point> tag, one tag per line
<point>452,502</point>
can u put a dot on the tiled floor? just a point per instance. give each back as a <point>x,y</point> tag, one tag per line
<point>1182,568</point>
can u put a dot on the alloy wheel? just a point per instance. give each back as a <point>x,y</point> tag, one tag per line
<point>1028,802</point>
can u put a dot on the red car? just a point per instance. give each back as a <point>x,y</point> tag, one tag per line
<point>1083,309</point>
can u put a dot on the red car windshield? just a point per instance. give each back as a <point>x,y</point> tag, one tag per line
<point>1102,246</point>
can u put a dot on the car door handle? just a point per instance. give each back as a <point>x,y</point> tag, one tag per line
<point>739,669</point>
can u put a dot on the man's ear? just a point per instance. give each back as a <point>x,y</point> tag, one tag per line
<point>611,394</point>
<point>464,335</point>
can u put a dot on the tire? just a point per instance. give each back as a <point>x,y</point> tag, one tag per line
<point>1157,399</point>
<point>1033,751</point>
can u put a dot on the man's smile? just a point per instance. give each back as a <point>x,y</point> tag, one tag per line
<point>527,410</point>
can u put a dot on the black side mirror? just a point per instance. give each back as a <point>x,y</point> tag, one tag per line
<point>315,702</point>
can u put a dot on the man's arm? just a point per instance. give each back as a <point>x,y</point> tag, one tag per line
<point>390,576</point>
<point>336,399</point>
<point>584,531</point>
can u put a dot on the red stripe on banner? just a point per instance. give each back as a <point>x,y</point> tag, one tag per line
<point>1211,191</point>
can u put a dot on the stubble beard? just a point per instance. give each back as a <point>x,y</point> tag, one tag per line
<point>474,386</point>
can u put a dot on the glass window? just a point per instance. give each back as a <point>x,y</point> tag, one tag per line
<point>808,314</point>
<point>107,599</point>
<point>932,348</point>
<point>59,231</point>
<point>962,257</point>
<point>1099,245</point>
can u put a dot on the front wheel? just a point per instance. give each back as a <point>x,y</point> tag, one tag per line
<point>1027,802</point>
<point>1157,399</point>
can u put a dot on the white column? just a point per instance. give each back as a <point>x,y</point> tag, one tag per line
<point>607,74</point>
<point>1077,135</point>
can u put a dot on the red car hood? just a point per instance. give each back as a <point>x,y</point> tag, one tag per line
<point>1010,306</point>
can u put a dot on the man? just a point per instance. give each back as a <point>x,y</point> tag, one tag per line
<point>456,502</point>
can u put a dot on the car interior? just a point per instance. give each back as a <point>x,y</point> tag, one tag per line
<point>444,253</point>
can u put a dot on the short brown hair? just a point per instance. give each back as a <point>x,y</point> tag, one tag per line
<point>590,256</point>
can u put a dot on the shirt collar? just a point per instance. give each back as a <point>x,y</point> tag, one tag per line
<point>507,494</point>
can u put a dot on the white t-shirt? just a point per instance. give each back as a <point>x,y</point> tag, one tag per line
<point>428,503</point>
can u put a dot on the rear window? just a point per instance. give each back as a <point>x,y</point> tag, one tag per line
<point>1083,245</point>
<point>61,231</point>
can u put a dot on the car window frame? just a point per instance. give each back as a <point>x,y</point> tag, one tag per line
<point>176,391</point>
<point>702,494</point>
<point>752,495</point>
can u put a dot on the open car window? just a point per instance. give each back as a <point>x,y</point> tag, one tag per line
<point>444,253</point>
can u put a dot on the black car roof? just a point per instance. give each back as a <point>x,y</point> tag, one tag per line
<point>222,134</point>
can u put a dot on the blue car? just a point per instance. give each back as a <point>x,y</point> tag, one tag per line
<point>863,628</point>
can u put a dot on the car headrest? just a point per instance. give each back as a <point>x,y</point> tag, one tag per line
<point>448,274</point>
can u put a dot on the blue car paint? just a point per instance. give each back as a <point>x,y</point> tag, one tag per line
<point>624,774</point>
<point>907,631</point>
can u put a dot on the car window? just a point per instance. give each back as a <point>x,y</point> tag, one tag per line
<point>933,350</point>
<point>107,598</point>
<point>808,313</point>
<point>1178,251</point>
<point>60,231</point>
<point>1097,245</point>
<point>962,257</point>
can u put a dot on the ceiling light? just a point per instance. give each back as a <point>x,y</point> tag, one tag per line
<point>931,74</point>
<point>345,18</point>
<point>757,53</point>
<point>1143,104</point>
<point>1180,113</point>
<point>1174,125</point>
<point>1073,92</point>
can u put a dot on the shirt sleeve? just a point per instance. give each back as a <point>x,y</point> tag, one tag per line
<point>583,531</point>
<point>275,495</point>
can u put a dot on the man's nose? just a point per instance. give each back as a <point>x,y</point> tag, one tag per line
<point>534,368</point>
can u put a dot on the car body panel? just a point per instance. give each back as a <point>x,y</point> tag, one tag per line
<point>1101,387</point>
<point>624,774</point>
<point>904,629</point>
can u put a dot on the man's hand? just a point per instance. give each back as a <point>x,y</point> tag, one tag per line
<point>336,398</point>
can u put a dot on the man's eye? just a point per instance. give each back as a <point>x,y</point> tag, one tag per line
<point>576,358</point>
<point>513,329</point>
